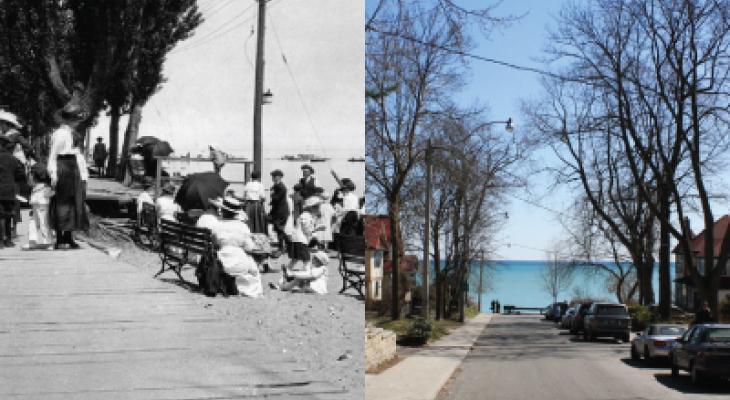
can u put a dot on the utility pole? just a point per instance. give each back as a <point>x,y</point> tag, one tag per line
<point>481,279</point>
<point>259,86</point>
<point>427,231</point>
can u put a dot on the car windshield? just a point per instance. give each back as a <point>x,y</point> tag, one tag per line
<point>718,335</point>
<point>670,330</point>
<point>611,310</point>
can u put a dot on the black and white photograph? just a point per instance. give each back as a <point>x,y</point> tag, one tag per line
<point>182,186</point>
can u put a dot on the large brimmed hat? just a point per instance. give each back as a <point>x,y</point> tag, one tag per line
<point>216,202</point>
<point>9,118</point>
<point>231,204</point>
<point>348,184</point>
<point>309,167</point>
<point>312,202</point>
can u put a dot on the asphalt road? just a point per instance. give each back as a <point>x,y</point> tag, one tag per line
<point>524,357</point>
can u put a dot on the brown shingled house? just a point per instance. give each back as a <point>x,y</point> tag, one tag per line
<point>685,295</point>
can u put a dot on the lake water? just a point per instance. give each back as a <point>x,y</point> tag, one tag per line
<point>519,283</point>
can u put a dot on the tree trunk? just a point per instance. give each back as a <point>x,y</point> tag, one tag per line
<point>115,114</point>
<point>665,287</point>
<point>394,216</point>
<point>130,137</point>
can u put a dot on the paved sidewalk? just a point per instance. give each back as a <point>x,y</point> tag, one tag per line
<point>78,324</point>
<point>422,375</point>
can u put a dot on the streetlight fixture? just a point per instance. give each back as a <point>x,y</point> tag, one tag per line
<point>509,127</point>
<point>267,97</point>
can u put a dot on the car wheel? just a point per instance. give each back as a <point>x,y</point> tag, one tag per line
<point>675,368</point>
<point>634,353</point>
<point>697,377</point>
<point>647,355</point>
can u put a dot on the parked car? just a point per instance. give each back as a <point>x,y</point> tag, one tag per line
<point>576,324</point>
<point>559,309</point>
<point>567,318</point>
<point>656,341</point>
<point>549,312</point>
<point>607,319</point>
<point>704,351</point>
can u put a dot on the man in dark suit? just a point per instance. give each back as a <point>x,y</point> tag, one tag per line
<point>279,211</point>
<point>100,155</point>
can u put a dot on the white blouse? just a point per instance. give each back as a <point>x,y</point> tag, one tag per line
<point>254,190</point>
<point>62,143</point>
<point>350,202</point>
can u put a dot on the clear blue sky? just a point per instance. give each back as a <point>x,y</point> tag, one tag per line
<point>529,229</point>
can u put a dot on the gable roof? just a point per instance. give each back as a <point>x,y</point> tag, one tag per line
<point>377,232</point>
<point>697,244</point>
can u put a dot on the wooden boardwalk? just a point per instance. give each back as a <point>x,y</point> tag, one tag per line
<point>80,325</point>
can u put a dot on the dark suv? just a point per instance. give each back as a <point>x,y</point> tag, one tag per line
<point>577,324</point>
<point>607,319</point>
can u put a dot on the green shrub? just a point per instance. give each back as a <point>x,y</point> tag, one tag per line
<point>640,317</point>
<point>419,330</point>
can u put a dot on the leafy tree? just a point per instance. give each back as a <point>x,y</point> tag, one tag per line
<point>59,52</point>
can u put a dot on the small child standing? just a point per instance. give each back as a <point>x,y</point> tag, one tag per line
<point>40,235</point>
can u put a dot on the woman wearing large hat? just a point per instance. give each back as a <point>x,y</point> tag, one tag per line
<point>68,173</point>
<point>233,238</point>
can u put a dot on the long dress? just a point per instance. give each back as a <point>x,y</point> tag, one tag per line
<point>39,230</point>
<point>254,206</point>
<point>233,238</point>
<point>67,167</point>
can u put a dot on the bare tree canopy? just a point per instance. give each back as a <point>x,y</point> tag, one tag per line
<point>643,120</point>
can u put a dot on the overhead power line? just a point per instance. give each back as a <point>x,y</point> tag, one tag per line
<point>473,56</point>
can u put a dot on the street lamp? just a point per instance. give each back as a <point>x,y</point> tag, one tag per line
<point>509,127</point>
<point>266,97</point>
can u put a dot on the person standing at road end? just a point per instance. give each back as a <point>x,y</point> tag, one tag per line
<point>100,154</point>
<point>703,315</point>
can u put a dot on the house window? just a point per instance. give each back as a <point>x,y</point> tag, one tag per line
<point>378,259</point>
<point>377,290</point>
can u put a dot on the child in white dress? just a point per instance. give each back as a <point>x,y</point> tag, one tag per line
<point>40,234</point>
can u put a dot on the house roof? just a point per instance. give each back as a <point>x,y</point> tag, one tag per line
<point>377,232</point>
<point>697,244</point>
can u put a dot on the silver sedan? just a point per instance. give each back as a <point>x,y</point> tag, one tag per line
<point>655,341</point>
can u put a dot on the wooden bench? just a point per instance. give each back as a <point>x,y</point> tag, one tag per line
<point>145,230</point>
<point>182,244</point>
<point>352,262</point>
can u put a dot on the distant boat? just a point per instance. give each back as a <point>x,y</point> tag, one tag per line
<point>356,159</point>
<point>318,159</point>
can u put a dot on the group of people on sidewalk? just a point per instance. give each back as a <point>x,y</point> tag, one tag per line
<point>57,189</point>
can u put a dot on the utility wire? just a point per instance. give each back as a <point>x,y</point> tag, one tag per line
<point>473,56</point>
<point>211,36</point>
<point>298,90</point>
<point>216,32</point>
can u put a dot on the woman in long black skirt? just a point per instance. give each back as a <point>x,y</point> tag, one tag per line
<point>67,168</point>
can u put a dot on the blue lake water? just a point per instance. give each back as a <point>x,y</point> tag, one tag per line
<point>519,283</point>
